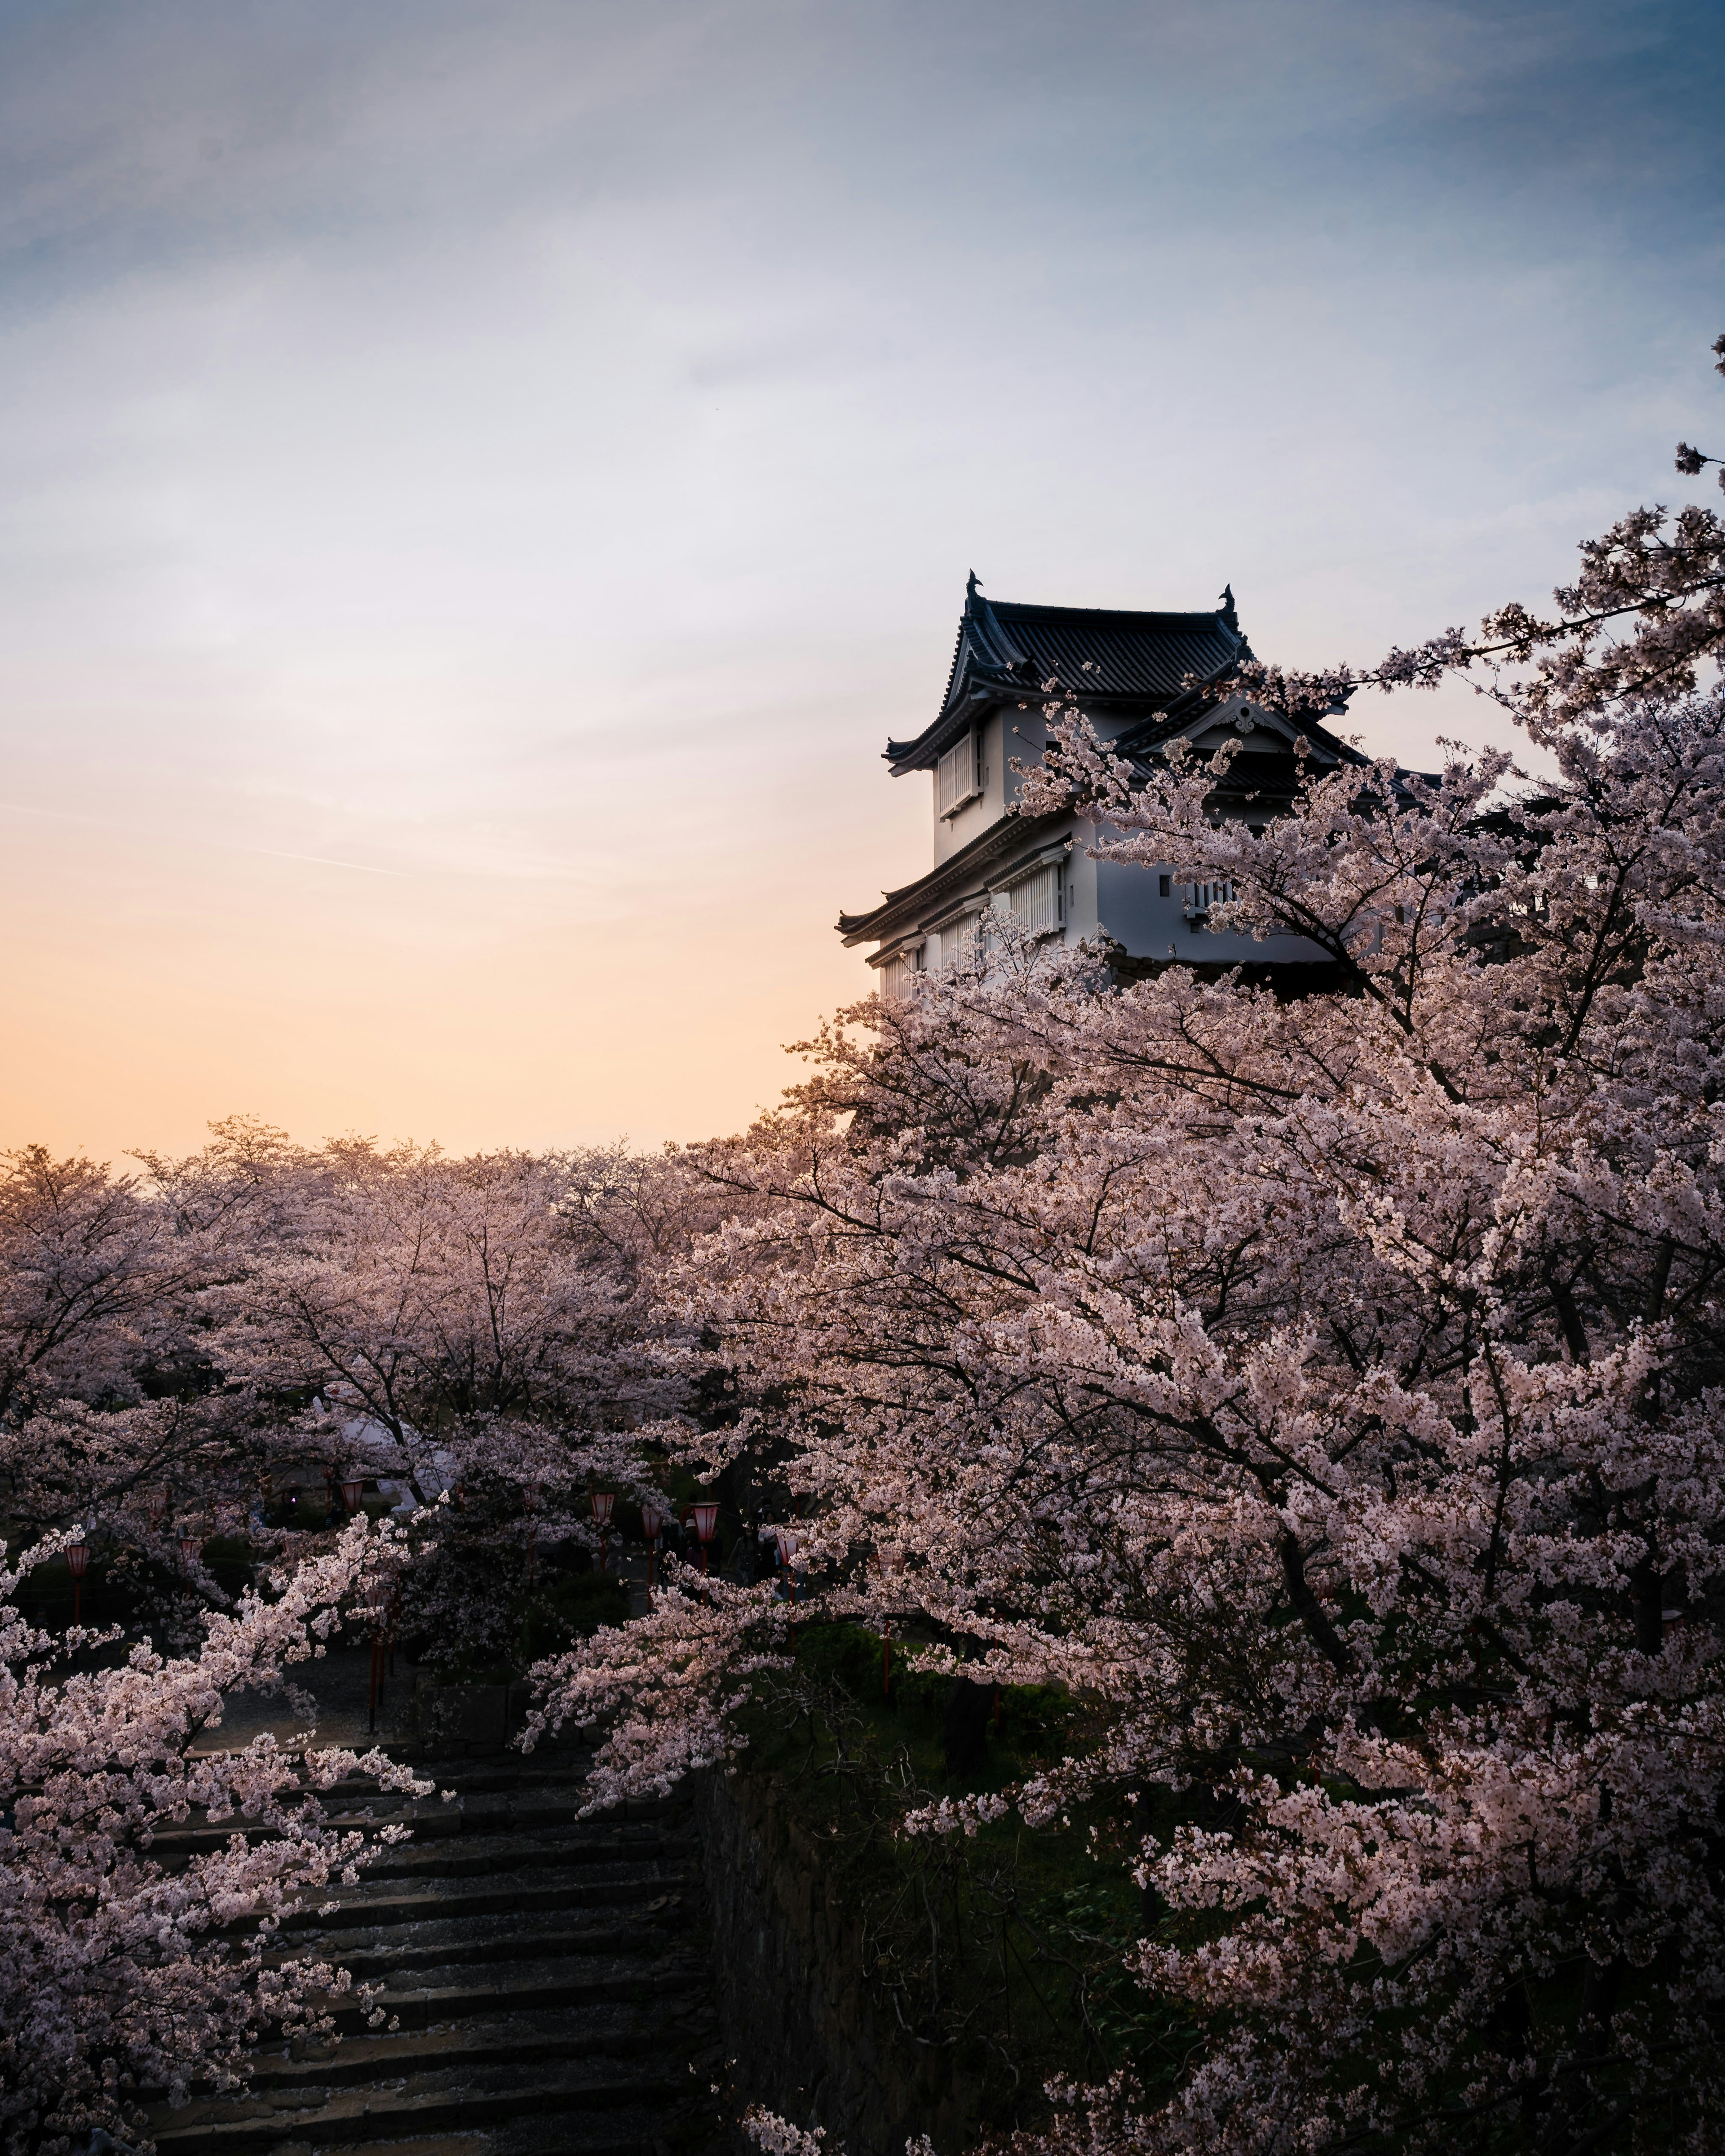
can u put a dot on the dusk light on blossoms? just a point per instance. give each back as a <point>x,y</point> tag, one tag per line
<point>861,1225</point>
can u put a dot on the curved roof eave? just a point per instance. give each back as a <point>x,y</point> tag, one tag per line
<point>1001,836</point>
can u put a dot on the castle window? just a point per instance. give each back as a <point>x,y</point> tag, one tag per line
<point>956,780</point>
<point>1035,899</point>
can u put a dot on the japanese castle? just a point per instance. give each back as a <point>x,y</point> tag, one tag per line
<point>1131,673</point>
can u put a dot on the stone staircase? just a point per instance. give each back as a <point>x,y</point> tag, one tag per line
<point>549,1979</point>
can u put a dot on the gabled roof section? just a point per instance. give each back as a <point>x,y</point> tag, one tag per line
<point>1258,732</point>
<point>1007,651</point>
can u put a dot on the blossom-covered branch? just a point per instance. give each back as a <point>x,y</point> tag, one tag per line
<point>121,1972</point>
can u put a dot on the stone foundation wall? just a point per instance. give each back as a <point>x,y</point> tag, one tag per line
<point>808,2039</point>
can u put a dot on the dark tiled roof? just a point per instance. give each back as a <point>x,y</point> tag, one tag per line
<point>1111,654</point>
<point>1006,649</point>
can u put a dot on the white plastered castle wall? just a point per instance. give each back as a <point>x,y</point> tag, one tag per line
<point>1119,899</point>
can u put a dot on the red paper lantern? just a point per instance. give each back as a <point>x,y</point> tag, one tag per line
<point>706,1522</point>
<point>78,1559</point>
<point>191,1549</point>
<point>350,1492</point>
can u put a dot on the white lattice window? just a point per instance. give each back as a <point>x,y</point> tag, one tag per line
<point>957,939</point>
<point>1035,899</point>
<point>894,978</point>
<point>956,779</point>
<point>1205,895</point>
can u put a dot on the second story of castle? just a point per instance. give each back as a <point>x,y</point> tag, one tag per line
<point>1130,673</point>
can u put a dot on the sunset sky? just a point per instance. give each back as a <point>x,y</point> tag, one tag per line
<point>480,482</point>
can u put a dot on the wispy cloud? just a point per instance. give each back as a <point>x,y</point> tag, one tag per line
<point>516,463</point>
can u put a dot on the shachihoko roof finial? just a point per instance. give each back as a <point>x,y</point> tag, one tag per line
<point>970,586</point>
<point>1224,610</point>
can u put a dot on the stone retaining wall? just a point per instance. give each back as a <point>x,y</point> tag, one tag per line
<point>807,2037</point>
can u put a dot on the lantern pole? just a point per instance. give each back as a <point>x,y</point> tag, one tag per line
<point>653,1524</point>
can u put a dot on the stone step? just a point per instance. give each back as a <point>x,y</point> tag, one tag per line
<point>373,1951</point>
<point>418,1999</point>
<point>427,1818</point>
<point>451,2099</point>
<point>545,1977</point>
<point>448,1851</point>
<point>467,1855</point>
<point>511,1811</point>
<point>417,1900</point>
<point>568,1770</point>
<point>604,2029</point>
<point>441,2145</point>
<point>484,1812</point>
<point>629,2131</point>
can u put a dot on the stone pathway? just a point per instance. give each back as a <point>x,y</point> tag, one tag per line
<point>550,1981</point>
<point>341,1682</point>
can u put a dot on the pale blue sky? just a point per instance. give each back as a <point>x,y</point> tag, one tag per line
<point>480,482</point>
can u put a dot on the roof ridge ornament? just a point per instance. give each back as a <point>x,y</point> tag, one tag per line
<point>971,589</point>
<point>1224,610</point>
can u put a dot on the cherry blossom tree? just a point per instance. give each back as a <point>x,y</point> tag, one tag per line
<point>1325,1392</point>
<point>122,1973</point>
<point>112,1416</point>
<point>166,1339</point>
<point>94,1283</point>
<point>160,1335</point>
<point>480,1326</point>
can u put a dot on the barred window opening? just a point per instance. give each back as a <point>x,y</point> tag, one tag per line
<point>1035,901</point>
<point>956,781</point>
